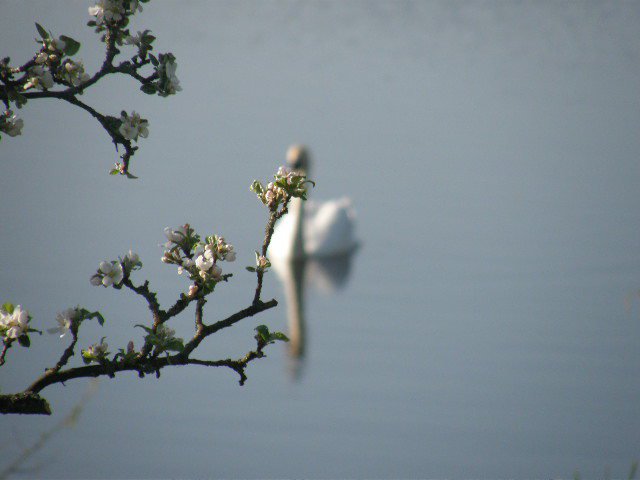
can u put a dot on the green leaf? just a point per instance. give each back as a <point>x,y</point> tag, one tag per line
<point>114,171</point>
<point>175,345</point>
<point>43,33</point>
<point>8,307</point>
<point>257,187</point>
<point>265,336</point>
<point>71,46</point>
<point>154,60</point>
<point>99,317</point>
<point>278,336</point>
<point>16,97</point>
<point>263,333</point>
<point>251,269</point>
<point>24,340</point>
<point>87,315</point>
<point>149,88</point>
<point>146,329</point>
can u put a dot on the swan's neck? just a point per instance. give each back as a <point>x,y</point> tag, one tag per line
<point>296,209</point>
<point>294,290</point>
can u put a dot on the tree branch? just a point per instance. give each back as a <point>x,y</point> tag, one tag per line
<point>227,322</point>
<point>141,364</point>
<point>24,403</point>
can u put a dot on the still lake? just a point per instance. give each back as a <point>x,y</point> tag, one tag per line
<point>489,324</point>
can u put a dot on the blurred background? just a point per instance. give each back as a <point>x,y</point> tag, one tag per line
<point>487,327</point>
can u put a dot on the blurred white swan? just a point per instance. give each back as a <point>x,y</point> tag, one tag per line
<point>313,229</point>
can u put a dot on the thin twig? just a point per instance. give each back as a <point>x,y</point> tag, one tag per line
<point>6,346</point>
<point>268,233</point>
<point>68,353</point>
<point>199,304</point>
<point>148,295</point>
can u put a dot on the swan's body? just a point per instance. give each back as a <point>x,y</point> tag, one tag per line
<point>313,229</point>
<point>327,230</point>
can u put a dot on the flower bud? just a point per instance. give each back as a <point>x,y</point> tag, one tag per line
<point>216,272</point>
<point>132,257</point>
<point>105,267</point>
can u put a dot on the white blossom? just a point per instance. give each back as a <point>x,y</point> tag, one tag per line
<point>15,323</point>
<point>134,39</point>
<point>11,124</point>
<point>64,319</point>
<point>131,260</point>
<point>132,257</point>
<point>109,273</point>
<point>168,83</point>
<point>73,72</point>
<point>230,255</point>
<point>288,183</point>
<point>107,11</point>
<point>176,235</point>
<point>97,349</point>
<point>39,78</point>
<point>283,171</point>
<point>216,272</point>
<point>105,267</point>
<point>57,44</point>
<point>204,262</point>
<point>133,126</point>
<point>219,249</point>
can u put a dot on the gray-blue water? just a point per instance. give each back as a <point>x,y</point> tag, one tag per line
<point>490,323</point>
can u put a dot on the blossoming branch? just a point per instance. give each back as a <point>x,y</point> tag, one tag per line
<point>203,261</point>
<point>53,73</point>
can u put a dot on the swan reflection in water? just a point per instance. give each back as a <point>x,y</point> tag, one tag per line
<point>323,275</point>
<point>312,246</point>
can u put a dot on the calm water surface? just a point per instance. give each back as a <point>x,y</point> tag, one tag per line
<point>488,326</point>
